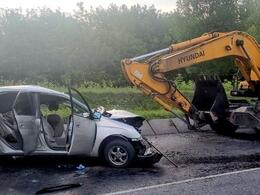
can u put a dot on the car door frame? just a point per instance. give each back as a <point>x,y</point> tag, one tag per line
<point>28,125</point>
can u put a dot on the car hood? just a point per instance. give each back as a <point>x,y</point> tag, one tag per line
<point>115,127</point>
<point>125,117</point>
<point>107,122</point>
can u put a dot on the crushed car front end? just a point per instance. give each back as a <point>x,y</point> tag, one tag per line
<point>145,152</point>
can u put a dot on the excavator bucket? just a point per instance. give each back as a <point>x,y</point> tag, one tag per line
<point>210,96</point>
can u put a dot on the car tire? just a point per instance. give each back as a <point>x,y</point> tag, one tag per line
<point>224,127</point>
<point>119,153</point>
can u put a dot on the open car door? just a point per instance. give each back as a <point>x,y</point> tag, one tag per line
<point>24,110</point>
<point>8,127</point>
<point>83,133</point>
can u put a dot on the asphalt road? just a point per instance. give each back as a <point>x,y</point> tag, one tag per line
<point>238,182</point>
<point>198,154</point>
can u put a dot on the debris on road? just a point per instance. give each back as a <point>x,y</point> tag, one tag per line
<point>81,169</point>
<point>35,181</point>
<point>173,163</point>
<point>58,188</point>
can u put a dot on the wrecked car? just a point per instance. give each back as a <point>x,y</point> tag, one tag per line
<point>40,121</point>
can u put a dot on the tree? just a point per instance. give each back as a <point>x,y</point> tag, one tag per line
<point>196,17</point>
<point>39,45</point>
<point>250,16</point>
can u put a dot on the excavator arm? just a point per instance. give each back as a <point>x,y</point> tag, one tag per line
<point>147,72</point>
<point>239,45</point>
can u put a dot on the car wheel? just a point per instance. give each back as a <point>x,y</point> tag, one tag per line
<point>223,127</point>
<point>119,153</point>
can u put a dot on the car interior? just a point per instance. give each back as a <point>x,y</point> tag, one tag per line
<point>55,116</point>
<point>55,113</point>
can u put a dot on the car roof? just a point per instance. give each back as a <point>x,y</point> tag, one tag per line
<point>30,88</point>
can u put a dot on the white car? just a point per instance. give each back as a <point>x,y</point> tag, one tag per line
<point>40,121</point>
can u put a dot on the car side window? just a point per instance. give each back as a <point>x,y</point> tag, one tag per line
<point>79,106</point>
<point>24,105</point>
<point>6,105</point>
<point>79,110</point>
<point>51,104</point>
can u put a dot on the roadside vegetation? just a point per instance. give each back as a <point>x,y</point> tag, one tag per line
<point>130,98</point>
<point>122,98</point>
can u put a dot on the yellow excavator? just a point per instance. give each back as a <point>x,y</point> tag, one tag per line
<point>210,104</point>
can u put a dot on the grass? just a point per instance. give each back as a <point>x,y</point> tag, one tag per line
<point>124,98</point>
<point>151,114</point>
<point>131,99</point>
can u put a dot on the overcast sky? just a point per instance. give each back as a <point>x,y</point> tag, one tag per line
<point>69,5</point>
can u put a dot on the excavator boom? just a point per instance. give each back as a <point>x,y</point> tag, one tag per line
<point>147,72</point>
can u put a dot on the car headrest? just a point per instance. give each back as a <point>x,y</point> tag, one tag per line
<point>53,107</point>
<point>53,119</point>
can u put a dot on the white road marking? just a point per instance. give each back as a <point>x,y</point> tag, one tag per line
<point>182,181</point>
